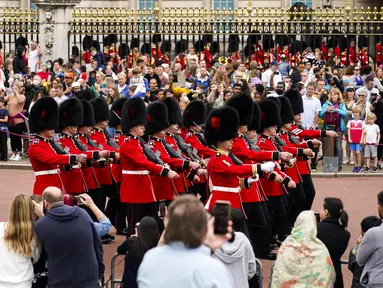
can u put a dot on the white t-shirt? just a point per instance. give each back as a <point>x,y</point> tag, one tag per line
<point>16,271</point>
<point>60,100</point>
<point>266,77</point>
<point>371,133</point>
<point>311,106</point>
<point>33,57</point>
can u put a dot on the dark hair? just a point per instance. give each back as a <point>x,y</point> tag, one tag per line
<point>368,79</point>
<point>148,237</point>
<point>369,222</point>
<point>380,199</point>
<point>139,61</point>
<point>367,70</point>
<point>334,206</point>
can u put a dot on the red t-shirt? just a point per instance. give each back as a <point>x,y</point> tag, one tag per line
<point>43,75</point>
<point>356,129</point>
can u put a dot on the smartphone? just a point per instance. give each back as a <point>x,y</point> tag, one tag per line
<point>222,215</point>
<point>78,200</point>
<point>162,208</point>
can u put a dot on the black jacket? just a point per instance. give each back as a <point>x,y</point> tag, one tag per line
<point>18,62</point>
<point>336,238</point>
<point>74,249</point>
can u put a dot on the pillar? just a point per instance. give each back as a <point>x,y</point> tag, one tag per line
<point>55,17</point>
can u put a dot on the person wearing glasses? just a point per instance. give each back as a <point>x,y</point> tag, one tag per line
<point>356,79</point>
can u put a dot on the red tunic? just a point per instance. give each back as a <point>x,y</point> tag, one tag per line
<point>73,180</point>
<point>135,187</point>
<point>379,53</point>
<point>246,155</point>
<point>203,151</point>
<point>116,167</point>
<point>103,172</point>
<point>181,182</point>
<point>222,176</point>
<point>271,188</point>
<point>88,171</point>
<point>164,188</point>
<point>45,160</point>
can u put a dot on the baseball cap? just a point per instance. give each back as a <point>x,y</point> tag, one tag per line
<point>275,63</point>
<point>69,74</point>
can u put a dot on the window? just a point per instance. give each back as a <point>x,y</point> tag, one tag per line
<point>220,4</point>
<point>146,4</point>
<point>308,3</point>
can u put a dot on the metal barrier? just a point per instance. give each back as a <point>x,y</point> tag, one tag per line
<point>259,272</point>
<point>112,279</point>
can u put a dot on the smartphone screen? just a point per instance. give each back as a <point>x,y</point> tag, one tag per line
<point>162,208</point>
<point>222,216</point>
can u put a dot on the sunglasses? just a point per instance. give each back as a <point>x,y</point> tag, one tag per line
<point>357,69</point>
<point>362,95</point>
<point>68,77</point>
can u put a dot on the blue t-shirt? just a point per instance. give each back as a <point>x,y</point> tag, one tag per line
<point>3,112</point>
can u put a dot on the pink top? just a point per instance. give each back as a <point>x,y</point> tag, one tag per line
<point>356,130</point>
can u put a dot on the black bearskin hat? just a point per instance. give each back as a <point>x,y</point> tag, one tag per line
<point>363,41</point>
<point>133,114</point>
<point>157,118</point>
<point>146,49</point>
<point>166,46</point>
<point>298,46</point>
<point>253,38</point>
<point>199,45</point>
<point>296,100</point>
<point>123,50</point>
<point>101,109</point>
<point>181,46</point>
<point>268,42</point>
<point>95,44</point>
<point>221,125</point>
<point>87,42</point>
<point>233,43</point>
<point>270,115</point>
<point>207,38</point>
<point>194,114</point>
<point>43,115</point>
<point>332,42</point>
<point>243,103</point>
<point>156,38</point>
<point>343,43</point>
<point>256,121</point>
<point>116,112</point>
<point>249,50</point>
<point>135,43</point>
<point>174,111</point>
<point>214,48</point>
<point>283,40</point>
<point>287,114</point>
<point>70,113</point>
<point>88,114</point>
<point>21,41</point>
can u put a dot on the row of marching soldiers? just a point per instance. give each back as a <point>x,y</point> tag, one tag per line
<point>150,159</point>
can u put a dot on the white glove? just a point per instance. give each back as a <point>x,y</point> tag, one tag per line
<point>253,179</point>
<point>268,167</point>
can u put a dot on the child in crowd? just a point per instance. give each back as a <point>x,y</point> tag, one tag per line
<point>355,133</point>
<point>4,115</point>
<point>367,223</point>
<point>371,137</point>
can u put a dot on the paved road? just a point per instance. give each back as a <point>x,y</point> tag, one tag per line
<point>358,195</point>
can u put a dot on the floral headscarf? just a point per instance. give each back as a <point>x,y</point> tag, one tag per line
<point>303,260</point>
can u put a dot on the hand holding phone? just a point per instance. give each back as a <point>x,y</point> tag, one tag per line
<point>222,215</point>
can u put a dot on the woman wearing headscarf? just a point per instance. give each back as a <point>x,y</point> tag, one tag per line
<point>303,260</point>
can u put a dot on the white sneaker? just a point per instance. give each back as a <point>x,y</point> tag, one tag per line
<point>17,158</point>
<point>12,157</point>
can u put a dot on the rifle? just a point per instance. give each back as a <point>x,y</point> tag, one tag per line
<point>111,142</point>
<point>150,154</point>
<point>278,143</point>
<point>250,143</point>
<point>187,149</point>
<point>173,153</point>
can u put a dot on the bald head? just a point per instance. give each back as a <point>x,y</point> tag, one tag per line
<point>52,195</point>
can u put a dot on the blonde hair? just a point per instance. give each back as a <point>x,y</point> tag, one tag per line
<point>336,90</point>
<point>371,116</point>
<point>356,109</point>
<point>19,234</point>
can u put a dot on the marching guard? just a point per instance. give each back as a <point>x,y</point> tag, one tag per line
<point>165,188</point>
<point>297,131</point>
<point>226,178</point>
<point>253,199</point>
<point>193,118</point>
<point>44,154</point>
<point>136,186</point>
<point>276,188</point>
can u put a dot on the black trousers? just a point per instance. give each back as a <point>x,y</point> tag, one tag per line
<point>276,206</point>
<point>16,142</point>
<point>309,189</point>
<point>3,146</point>
<point>200,188</point>
<point>296,203</point>
<point>136,211</point>
<point>258,226</point>
<point>380,147</point>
